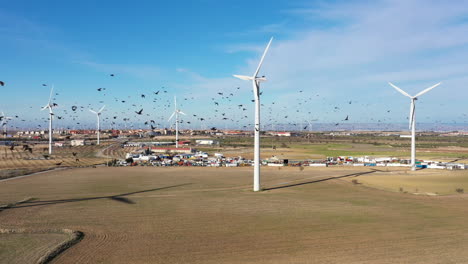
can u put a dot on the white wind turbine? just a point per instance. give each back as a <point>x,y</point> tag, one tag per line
<point>51,115</point>
<point>256,90</point>
<point>412,119</point>
<point>5,122</point>
<point>310,123</point>
<point>176,113</point>
<point>98,115</point>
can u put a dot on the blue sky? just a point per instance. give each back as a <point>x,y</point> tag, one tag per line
<point>329,60</point>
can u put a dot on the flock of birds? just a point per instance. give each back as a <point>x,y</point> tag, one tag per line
<point>228,108</point>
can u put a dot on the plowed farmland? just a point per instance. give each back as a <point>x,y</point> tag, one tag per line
<point>210,215</point>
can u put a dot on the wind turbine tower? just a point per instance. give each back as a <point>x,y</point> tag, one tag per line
<point>98,115</point>
<point>412,119</point>
<point>256,91</point>
<point>51,116</point>
<point>176,113</point>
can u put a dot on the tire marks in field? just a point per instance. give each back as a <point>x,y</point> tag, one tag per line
<point>96,246</point>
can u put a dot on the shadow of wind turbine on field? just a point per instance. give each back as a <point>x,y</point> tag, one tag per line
<point>316,181</point>
<point>118,198</point>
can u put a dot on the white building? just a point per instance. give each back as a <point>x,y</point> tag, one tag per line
<point>206,142</point>
<point>77,142</point>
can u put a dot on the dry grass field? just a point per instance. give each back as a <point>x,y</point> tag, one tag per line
<point>19,162</point>
<point>27,248</point>
<point>210,215</point>
<point>427,181</point>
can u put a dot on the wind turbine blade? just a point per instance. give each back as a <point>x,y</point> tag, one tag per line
<point>102,108</point>
<point>180,112</point>
<point>171,116</point>
<point>400,90</point>
<point>44,108</point>
<point>263,57</point>
<point>92,111</point>
<point>411,116</point>
<point>243,77</point>
<point>51,91</point>
<point>427,90</point>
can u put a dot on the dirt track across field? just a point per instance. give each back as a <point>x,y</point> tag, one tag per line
<point>210,215</point>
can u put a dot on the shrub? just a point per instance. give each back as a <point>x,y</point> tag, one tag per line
<point>301,168</point>
<point>401,189</point>
<point>460,190</point>
<point>355,181</point>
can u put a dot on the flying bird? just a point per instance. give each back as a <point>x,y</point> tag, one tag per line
<point>2,83</point>
<point>139,112</point>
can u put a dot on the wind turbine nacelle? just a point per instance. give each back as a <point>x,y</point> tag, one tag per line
<point>260,79</point>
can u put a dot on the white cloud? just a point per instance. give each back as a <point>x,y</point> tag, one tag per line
<point>416,43</point>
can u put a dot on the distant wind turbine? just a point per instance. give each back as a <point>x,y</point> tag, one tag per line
<point>176,113</point>
<point>98,115</point>
<point>412,119</point>
<point>51,116</point>
<point>310,123</point>
<point>4,124</point>
<point>256,90</point>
